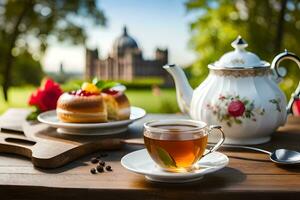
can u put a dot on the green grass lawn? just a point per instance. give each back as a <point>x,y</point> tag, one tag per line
<point>18,97</point>
<point>165,102</point>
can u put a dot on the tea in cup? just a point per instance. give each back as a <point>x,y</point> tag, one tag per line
<point>177,145</point>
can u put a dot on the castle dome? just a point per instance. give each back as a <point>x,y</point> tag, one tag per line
<point>124,42</point>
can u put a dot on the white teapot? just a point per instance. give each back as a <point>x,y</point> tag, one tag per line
<point>240,93</point>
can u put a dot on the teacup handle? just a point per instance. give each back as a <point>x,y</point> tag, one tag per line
<point>220,142</point>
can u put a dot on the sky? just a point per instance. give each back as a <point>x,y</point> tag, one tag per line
<point>152,23</point>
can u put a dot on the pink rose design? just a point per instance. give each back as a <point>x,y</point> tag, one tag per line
<point>236,108</point>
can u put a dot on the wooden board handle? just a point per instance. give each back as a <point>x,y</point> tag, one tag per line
<point>17,145</point>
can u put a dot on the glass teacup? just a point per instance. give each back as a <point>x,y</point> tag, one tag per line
<point>176,145</point>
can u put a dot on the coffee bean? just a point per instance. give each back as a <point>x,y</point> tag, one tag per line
<point>93,171</point>
<point>108,168</point>
<point>102,163</point>
<point>100,169</point>
<point>94,160</point>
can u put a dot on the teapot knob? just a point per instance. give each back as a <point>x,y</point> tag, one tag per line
<point>239,43</point>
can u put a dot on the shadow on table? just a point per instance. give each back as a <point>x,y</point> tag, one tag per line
<point>290,168</point>
<point>250,159</point>
<point>220,179</point>
<point>49,171</point>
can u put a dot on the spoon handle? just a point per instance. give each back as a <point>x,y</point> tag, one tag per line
<point>133,141</point>
<point>247,147</point>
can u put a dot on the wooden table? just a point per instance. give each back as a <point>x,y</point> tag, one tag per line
<point>249,175</point>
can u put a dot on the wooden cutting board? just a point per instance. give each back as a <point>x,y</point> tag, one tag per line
<point>43,145</point>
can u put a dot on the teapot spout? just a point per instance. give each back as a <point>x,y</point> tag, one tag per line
<point>184,91</point>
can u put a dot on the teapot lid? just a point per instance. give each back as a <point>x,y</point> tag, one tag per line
<point>239,58</point>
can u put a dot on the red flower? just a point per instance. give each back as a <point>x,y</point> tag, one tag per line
<point>236,108</point>
<point>45,97</point>
<point>296,107</point>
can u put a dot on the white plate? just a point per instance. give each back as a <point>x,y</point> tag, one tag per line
<point>140,162</point>
<point>106,128</point>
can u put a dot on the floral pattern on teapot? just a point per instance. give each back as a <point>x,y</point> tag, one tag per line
<point>276,102</point>
<point>233,109</point>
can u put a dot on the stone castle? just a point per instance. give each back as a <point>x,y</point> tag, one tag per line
<point>126,62</point>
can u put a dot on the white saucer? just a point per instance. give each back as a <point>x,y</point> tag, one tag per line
<point>106,128</point>
<point>140,162</point>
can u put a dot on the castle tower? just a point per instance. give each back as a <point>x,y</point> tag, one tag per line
<point>124,43</point>
<point>91,63</point>
<point>161,55</point>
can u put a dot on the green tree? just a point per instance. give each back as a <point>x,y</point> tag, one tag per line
<point>30,25</point>
<point>268,26</point>
<point>26,70</point>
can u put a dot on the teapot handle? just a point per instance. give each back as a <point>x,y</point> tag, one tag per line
<point>275,68</point>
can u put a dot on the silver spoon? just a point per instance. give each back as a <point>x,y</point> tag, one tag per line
<point>279,156</point>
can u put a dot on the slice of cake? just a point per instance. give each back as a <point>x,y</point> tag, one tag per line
<point>117,104</point>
